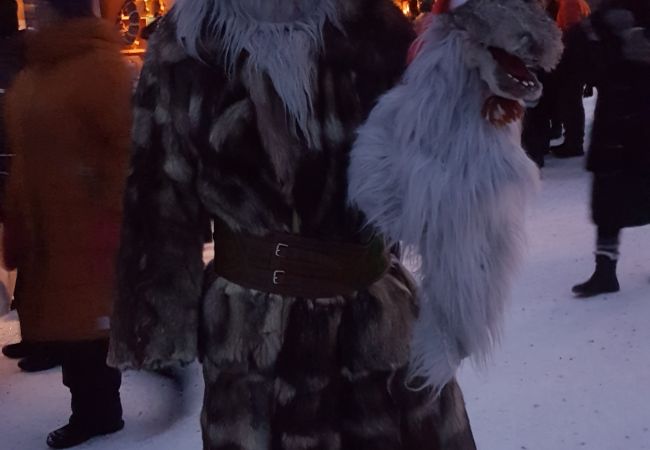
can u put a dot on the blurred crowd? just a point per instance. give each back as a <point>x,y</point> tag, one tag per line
<point>65,110</point>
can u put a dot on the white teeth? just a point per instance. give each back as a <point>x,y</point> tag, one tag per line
<point>528,84</point>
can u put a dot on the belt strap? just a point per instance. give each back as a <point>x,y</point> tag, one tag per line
<point>296,266</point>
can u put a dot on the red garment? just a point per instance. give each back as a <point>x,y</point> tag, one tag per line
<point>571,12</point>
<point>441,6</point>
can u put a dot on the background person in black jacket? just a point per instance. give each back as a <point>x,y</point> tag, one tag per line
<point>9,66</point>
<point>616,43</point>
<point>560,106</point>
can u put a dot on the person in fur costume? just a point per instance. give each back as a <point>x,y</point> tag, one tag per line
<point>245,115</point>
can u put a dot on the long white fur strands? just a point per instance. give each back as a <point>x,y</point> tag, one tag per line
<point>429,171</point>
<point>282,39</point>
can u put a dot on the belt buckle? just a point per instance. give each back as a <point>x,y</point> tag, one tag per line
<point>276,276</point>
<point>278,249</point>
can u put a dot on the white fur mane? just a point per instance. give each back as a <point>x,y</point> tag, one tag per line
<point>429,171</point>
<point>281,38</point>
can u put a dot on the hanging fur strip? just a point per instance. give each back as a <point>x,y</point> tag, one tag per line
<point>279,37</point>
<point>429,170</point>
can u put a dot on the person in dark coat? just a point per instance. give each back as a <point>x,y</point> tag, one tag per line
<point>616,48</point>
<point>68,123</point>
<point>569,112</point>
<point>10,63</point>
<point>8,28</point>
<point>33,357</point>
<point>561,103</point>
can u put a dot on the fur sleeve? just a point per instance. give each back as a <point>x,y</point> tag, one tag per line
<point>160,267</point>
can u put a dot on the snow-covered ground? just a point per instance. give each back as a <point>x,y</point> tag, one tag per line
<point>570,374</point>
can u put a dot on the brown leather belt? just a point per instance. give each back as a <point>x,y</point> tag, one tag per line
<point>296,266</point>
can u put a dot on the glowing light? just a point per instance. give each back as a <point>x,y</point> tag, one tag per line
<point>404,6</point>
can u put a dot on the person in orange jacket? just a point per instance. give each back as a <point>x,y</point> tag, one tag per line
<point>68,124</point>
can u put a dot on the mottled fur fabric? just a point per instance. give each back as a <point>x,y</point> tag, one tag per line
<point>213,142</point>
<point>429,171</point>
<point>266,387</point>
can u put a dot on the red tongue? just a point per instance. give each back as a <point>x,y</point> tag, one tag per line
<point>511,64</point>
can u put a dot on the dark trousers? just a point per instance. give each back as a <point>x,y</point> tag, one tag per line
<point>94,386</point>
<point>536,136</point>
<point>560,105</point>
<point>607,241</point>
<point>536,133</point>
<point>570,112</point>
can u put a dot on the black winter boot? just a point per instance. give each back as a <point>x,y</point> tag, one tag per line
<point>602,281</point>
<point>95,391</point>
<point>74,434</point>
<point>38,362</point>
<point>18,350</point>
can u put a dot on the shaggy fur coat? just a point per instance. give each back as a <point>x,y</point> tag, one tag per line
<point>214,139</point>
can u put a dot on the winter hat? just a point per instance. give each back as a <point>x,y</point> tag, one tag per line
<point>571,12</point>
<point>8,18</point>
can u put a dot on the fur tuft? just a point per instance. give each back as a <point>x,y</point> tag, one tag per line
<point>279,37</point>
<point>429,171</point>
